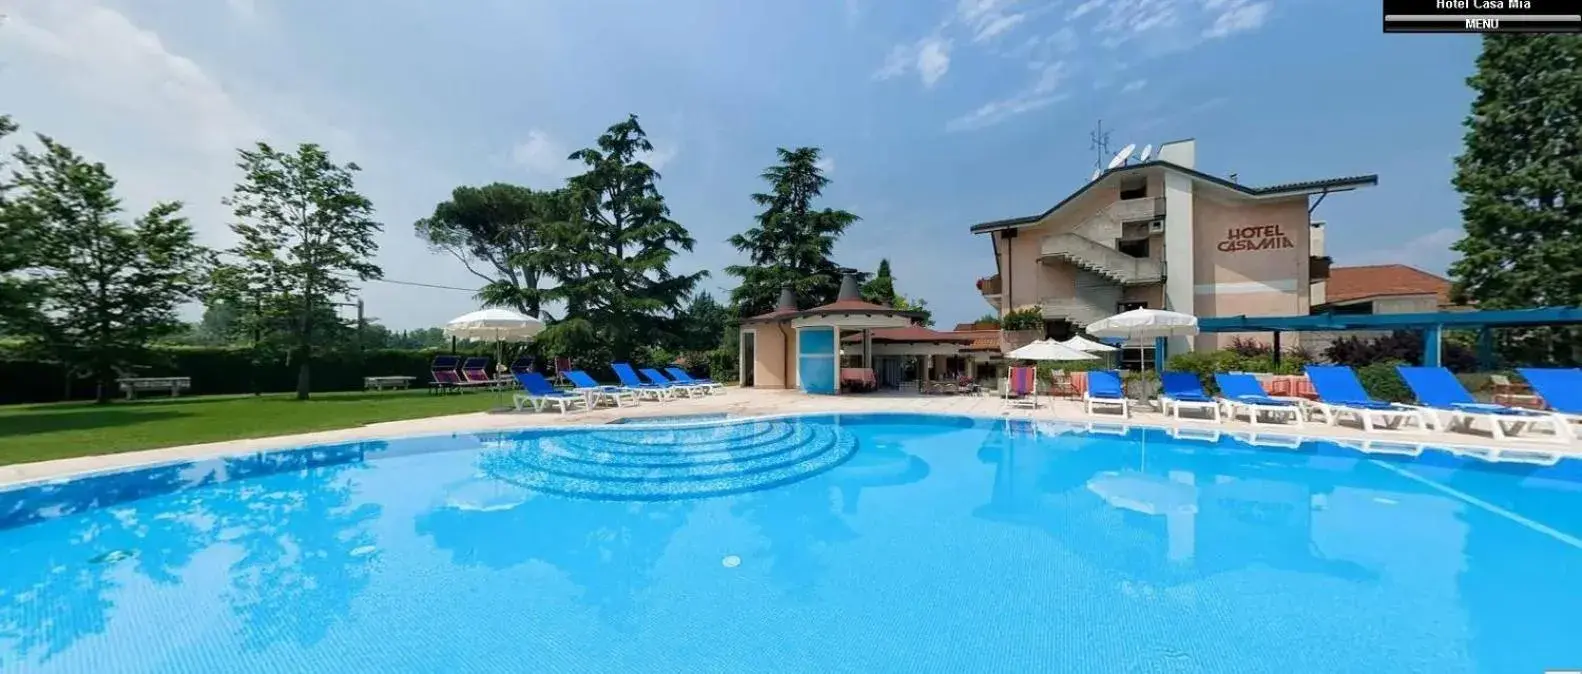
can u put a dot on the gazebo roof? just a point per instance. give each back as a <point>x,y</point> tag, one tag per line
<point>849,303</point>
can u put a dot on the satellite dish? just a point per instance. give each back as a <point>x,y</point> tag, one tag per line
<point>1096,173</point>
<point>1123,155</point>
<point>1148,151</point>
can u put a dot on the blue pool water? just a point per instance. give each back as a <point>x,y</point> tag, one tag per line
<point>829,543</point>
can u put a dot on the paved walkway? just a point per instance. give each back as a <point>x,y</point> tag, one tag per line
<point>741,402</point>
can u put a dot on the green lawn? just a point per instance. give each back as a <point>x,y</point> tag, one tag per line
<point>56,431</point>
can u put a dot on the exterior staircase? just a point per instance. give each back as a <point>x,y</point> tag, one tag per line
<point>1103,260</point>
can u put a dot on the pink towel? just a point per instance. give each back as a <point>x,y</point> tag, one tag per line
<point>1022,380</point>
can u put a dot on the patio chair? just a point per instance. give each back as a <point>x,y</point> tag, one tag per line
<point>584,384</point>
<point>1561,389</point>
<point>681,375</point>
<point>659,379</point>
<point>1021,389</point>
<point>1105,390</point>
<point>443,375</point>
<point>1341,395</point>
<point>521,364</point>
<point>1240,392</point>
<point>538,392</point>
<point>629,379</point>
<point>475,372</point>
<point>1438,392</point>
<point>1184,389</point>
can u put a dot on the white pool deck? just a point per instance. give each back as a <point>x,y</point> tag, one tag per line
<point>739,402</point>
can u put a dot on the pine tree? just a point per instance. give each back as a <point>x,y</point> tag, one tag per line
<point>792,242</point>
<point>613,264</point>
<point>1520,177</point>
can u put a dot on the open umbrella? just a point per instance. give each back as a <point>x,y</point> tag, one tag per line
<point>1081,343</point>
<point>1144,324</point>
<point>499,325</point>
<point>1049,349</point>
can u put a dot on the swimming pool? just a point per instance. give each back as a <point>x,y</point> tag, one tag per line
<point>857,543</point>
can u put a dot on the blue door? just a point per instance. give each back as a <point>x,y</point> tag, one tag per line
<point>816,359</point>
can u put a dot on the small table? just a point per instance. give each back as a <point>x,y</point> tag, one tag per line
<point>389,381</point>
<point>131,385</point>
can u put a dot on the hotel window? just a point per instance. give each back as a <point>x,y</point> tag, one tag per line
<point>1123,307</point>
<point>1134,189</point>
<point>1133,247</point>
<point>1137,359</point>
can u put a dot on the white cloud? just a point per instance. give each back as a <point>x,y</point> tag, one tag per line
<point>1235,16</point>
<point>1134,86</point>
<point>1430,252</point>
<point>826,164</point>
<point>544,157</point>
<point>987,19</point>
<point>245,10</point>
<point>928,57</point>
<point>1040,93</point>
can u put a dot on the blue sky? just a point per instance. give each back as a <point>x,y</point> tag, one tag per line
<point>933,114</point>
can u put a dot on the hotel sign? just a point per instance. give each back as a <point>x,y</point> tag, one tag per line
<point>1260,237</point>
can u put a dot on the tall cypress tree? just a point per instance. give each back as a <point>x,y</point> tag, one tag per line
<point>792,241</point>
<point>1520,177</point>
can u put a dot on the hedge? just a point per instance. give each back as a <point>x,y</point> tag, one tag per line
<point>230,370</point>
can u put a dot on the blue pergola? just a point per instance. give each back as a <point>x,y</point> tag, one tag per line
<point>1432,325</point>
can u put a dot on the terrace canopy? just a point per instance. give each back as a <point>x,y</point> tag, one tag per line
<point>1432,325</point>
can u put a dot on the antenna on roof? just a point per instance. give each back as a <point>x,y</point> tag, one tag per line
<point>1148,151</point>
<point>1099,142</point>
<point>1122,156</point>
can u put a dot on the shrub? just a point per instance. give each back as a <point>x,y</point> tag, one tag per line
<point>1383,382</point>
<point>1023,319</point>
<point>1405,346</point>
<point>1248,348</point>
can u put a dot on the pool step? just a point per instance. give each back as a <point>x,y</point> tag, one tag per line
<point>585,469</point>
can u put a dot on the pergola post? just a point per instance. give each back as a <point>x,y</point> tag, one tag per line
<point>1161,350</point>
<point>1275,353</point>
<point>1432,337</point>
<point>1485,348</point>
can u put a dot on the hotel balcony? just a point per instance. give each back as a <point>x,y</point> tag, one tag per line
<point>1137,210</point>
<point>989,287</point>
<point>1318,268</point>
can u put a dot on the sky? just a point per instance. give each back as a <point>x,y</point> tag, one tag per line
<point>932,114</point>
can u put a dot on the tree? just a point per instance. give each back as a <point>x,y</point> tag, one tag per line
<point>792,242</point>
<point>305,233</point>
<point>613,261</point>
<point>702,324</point>
<point>106,289</point>
<point>499,232</point>
<point>881,290</point>
<point>18,247</point>
<point>1521,185</point>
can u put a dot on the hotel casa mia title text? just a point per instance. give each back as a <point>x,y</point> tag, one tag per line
<point>1260,237</point>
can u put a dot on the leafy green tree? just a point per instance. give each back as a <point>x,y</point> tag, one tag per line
<point>613,262</point>
<point>881,290</point>
<point>18,247</point>
<point>1521,184</point>
<point>499,232</point>
<point>305,233</point>
<point>106,289</point>
<point>792,241</point>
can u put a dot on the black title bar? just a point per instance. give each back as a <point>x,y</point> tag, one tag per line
<point>1457,23</point>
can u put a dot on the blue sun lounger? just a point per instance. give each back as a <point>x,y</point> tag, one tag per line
<point>1341,395</point>
<point>1105,390</point>
<point>630,380</point>
<point>537,391</point>
<point>1184,389</point>
<point>1438,392</point>
<point>581,382</point>
<point>681,375</point>
<point>1561,388</point>
<point>1241,392</point>
<point>658,379</point>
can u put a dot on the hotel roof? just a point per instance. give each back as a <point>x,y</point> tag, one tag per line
<point>1348,284</point>
<point>1272,191</point>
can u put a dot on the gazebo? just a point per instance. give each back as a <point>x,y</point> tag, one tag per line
<point>801,348</point>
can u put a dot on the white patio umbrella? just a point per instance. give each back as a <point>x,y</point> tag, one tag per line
<point>1049,349</point>
<point>1081,343</point>
<point>494,324</point>
<point>1145,324</point>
